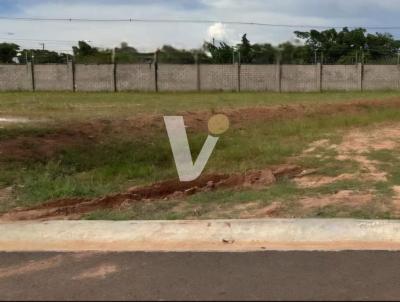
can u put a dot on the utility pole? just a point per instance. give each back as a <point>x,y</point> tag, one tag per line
<point>156,70</point>
<point>197,62</point>
<point>238,72</point>
<point>114,69</point>
<point>42,45</point>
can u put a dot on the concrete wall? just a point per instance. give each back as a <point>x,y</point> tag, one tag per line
<point>94,77</point>
<point>15,77</point>
<point>177,77</point>
<point>378,77</point>
<point>140,77</point>
<point>219,77</point>
<point>340,77</point>
<point>299,78</point>
<point>259,78</point>
<point>53,77</point>
<point>174,77</point>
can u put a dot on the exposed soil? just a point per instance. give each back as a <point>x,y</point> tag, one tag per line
<point>271,210</point>
<point>355,146</point>
<point>73,208</point>
<point>345,197</point>
<point>44,146</point>
<point>5,194</point>
<point>315,181</point>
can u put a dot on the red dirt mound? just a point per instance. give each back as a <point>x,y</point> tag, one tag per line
<point>75,207</point>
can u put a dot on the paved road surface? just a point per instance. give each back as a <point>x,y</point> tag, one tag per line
<point>200,276</point>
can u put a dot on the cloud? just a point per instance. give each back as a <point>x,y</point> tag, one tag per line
<point>217,31</point>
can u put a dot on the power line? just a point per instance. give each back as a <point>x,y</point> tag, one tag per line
<point>39,40</point>
<point>194,21</point>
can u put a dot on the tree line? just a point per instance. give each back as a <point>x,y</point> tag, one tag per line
<point>328,46</point>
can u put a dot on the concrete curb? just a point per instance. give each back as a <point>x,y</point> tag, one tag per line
<point>204,235</point>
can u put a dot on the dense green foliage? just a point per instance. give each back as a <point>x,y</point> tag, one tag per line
<point>348,46</point>
<point>7,52</point>
<point>329,46</point>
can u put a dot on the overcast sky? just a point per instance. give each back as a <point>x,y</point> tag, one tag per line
<point>149,36</point>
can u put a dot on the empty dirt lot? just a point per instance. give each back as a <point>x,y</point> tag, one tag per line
<point>107,156</point>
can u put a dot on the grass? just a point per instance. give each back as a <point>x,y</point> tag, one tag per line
<point>67,106</point>
<point>389,162</point>
<point>113,166</point>
<point>231,204</point>
<point>204,205</point>
<point>122,160</point>
<point>370,211</point>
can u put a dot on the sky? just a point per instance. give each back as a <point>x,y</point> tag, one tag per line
<point>150,36</point>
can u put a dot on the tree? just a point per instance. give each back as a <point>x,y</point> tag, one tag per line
<point>85,53</point>
<point>221,54</point>
<point>348,46</point>
<point>293,54</point>
<point>40,56</point>
<point>246,50</point>
<point>8,51</point>
<point>264,54</point>
<point>126,54</point>
<point>84,49</point>
<point>381,47</point>
<point>169,54</point>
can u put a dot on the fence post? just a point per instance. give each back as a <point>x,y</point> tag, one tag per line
<point>360,68</point>
<point>74,74</point>
<point>239,67</point>
<point>238,77</point>
<point>398,76</point>
<point>278,76</point>
<point>31,70</point>
<point>319,77</point>
<point>115,77</point>
<point>156,71</point>
<point>114,70</point>
<point>198,84</point>
<point>71,67</point>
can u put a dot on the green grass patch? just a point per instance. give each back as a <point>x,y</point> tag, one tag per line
<point>80,105</point>
<point>370,211</point>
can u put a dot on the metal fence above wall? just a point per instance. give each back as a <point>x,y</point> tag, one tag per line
<point>197,77</point>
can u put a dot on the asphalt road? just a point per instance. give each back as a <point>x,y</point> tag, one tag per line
<point>352,275</point>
